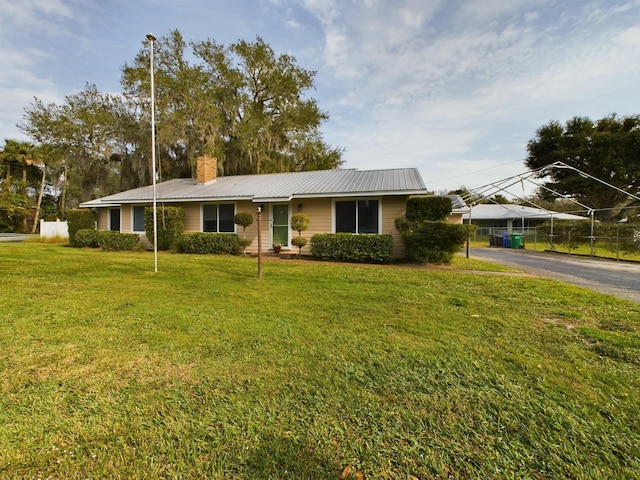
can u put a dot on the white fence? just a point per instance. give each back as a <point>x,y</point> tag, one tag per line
<point>55,229</point>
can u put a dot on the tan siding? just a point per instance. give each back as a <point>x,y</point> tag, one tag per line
<point>126,219</point>
<point>392,208</point>
<point>252,230</point>
<point>103,218</point>
<point>455,218</point>
<point>192,212</point>
<point>319,210</point>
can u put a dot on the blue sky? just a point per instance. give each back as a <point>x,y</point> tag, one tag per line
<point>454,88</point>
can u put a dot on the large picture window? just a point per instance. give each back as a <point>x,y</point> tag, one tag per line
<point>138,219</point>
<point>218,218</point>
<point>357,216</point>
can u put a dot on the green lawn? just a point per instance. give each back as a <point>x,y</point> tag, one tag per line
<point>202,370</point>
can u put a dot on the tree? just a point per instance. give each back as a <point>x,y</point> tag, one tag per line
<point>607,149</point>
<point>241,103</point>
<point>22,183</point>
<point>88,132</point>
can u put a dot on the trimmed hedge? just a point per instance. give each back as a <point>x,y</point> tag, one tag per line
<point>206,243</point>
<point>116,241</point>
<point>433,209</point>
<point>348,247</point>
<point>170,225</point>
<point>431,242</point>
<point>86,238</point>
<point>79,219</point>
<point>108,241</point>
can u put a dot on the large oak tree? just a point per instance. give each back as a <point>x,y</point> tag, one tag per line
<point>241,103</point>
<point>607,149</point>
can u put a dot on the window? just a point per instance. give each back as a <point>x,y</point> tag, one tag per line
<point>218,218</point>
<point>114,219</point>
<point>357,216</point>
<point>138,219</point>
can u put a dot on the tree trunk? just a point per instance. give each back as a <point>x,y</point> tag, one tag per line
<point>35,219</point>
<point>64,193</point>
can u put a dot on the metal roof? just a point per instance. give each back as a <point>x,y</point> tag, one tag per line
<point>276,187</point>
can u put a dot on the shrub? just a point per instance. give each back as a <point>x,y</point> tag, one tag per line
<point>431,242</point>
<point>80,219</point>
<point>244,219</point>
<point>116,241</point>
<point>170,225</point>
<point>348,247</point>
<point>87,238</point>
<point>244,243</point>
<point>299,242</point>
<point>434,209</point>
<point>205,243</point>
<point>108,241</point>
<point>300,222</point>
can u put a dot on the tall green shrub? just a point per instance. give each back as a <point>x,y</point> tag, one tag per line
<point>431,242</point>
<point>434,209</point>
<point>427,236</point>
<point>79,219</point>
<point>170,225</point>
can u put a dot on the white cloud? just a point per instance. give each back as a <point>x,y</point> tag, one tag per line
<point>435,84</point>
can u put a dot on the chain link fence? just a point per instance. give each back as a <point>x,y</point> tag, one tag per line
<point>617,240</point>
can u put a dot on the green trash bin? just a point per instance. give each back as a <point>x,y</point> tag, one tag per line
<point>516,240</point>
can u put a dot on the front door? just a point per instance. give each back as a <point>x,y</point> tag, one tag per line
<point>280,224</point>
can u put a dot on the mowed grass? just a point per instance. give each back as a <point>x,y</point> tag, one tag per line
<point>315,371</point>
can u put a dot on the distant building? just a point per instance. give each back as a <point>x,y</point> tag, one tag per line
<point>498,218</point>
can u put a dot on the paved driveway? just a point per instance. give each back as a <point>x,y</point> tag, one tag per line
<point>15,237</point>
<point>621,279</point>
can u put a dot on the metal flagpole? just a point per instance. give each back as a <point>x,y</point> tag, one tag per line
<point>152,39</point>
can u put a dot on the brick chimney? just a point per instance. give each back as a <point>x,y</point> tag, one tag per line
<point>207,168</point>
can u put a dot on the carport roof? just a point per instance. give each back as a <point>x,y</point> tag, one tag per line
<point>512,212</point>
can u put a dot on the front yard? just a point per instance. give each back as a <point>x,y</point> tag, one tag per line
<point>315,371</point>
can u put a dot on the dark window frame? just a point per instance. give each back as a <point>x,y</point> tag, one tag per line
<point>113,217</point>
<point>359,216</point>
<point>222,221</point>
<point>138,208</point>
